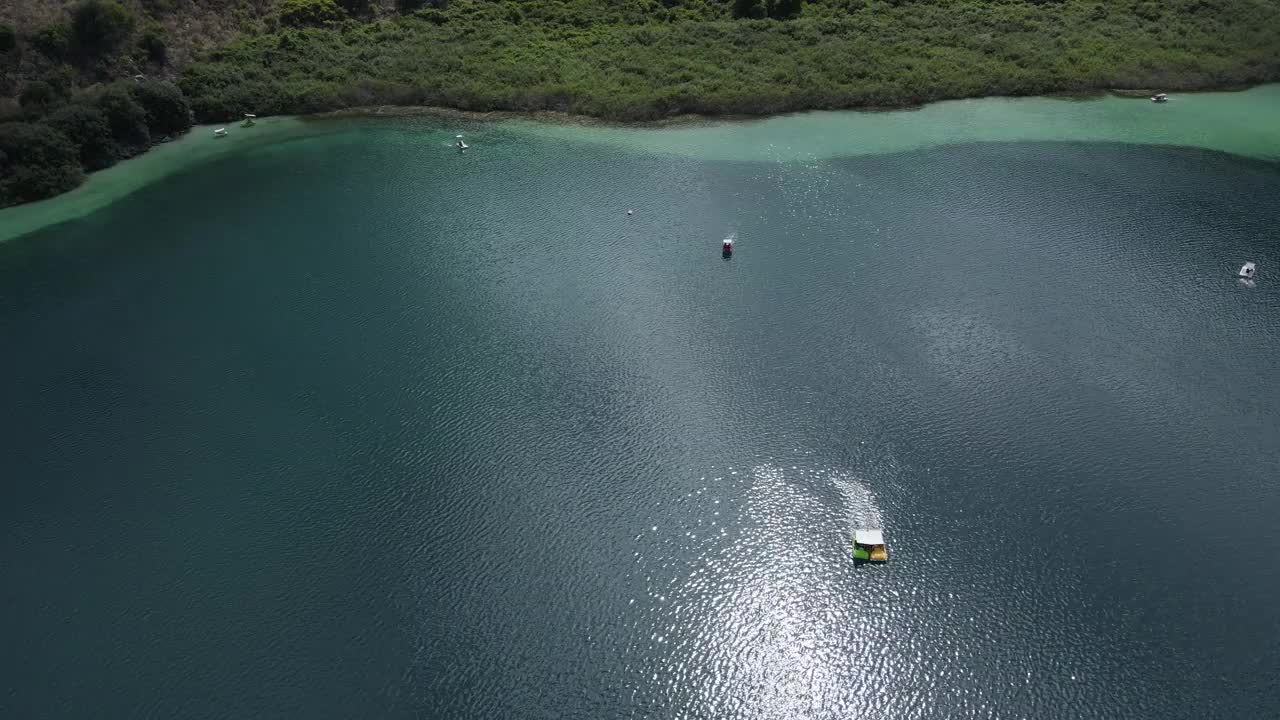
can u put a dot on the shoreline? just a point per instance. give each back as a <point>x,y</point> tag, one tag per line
<point>556,117</point>
<point>878,130</point>
<point>104,187</point>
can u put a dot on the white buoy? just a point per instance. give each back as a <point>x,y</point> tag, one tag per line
<point>631,212</point>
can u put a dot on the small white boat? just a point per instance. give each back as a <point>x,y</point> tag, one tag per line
<point>868,545</point>
<point>1247,271</point>
<point>220,133</point>
<point>1160,97</point>
<point>460,144</point>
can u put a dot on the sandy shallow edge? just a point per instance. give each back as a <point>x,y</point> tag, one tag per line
<point>199,146</point>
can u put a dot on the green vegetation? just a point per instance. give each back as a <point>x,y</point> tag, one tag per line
<point>152,44</point>
<point>68,123</point>
<point>165,110</point>
<point>38,96</point>
<point>86,127</point>
<point>614,59</point>
<point>310,13</point>
<point>125,118</point>
<point>36,162</point>
<point>641,59</point>
<point>101,25</point>
<point>54,41</point>
<point>8,39</point>
<point>67,134</point>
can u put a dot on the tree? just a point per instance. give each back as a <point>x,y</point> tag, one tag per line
<point>158,8</point>
<point>748,9</point>
<point>36,162</point>
<point>167,111</point>
<point>8,39</point>
<point>61,79</point>
<point>408,6</point>
<point>38,96</point>
<point>310,13</point>
<point>126,118</point>
<point>153,45</point>
<point>54,41</point>
<point>439,17</point>
<point>354,7</point>
<point>87,128</point>
<point>785,9</point>
<point>101,25</point>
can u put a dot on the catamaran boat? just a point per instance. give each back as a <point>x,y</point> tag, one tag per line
<point>220,133</point>
<point>1247,271</point>
<point>868,546</point>
<point>1160,97</point>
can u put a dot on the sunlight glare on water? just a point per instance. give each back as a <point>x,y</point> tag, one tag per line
<point>395,431</point>
<point>755,610</point>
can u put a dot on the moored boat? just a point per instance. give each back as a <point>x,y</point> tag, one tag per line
<point>1160,98</point>
<point>220,133</point>
<point>1247,271</point>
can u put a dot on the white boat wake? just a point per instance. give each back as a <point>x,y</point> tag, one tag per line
<point>862,508</point>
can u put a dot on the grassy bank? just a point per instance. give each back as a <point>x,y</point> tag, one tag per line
<point>69,113</point>
<point>643,60</point>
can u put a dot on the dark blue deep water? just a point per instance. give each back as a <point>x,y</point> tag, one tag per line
<point>356,427</point>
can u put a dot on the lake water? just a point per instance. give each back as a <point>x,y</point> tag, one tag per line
<point>353,425</point>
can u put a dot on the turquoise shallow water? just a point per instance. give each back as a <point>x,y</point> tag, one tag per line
<point>391,431</point>
<point>1245,123</point>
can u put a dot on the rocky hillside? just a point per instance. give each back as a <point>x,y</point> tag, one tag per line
<point>158,37</point>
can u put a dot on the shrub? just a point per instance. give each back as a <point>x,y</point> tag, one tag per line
<point>153,45</point>
<point>126,118</point>
<point>8,39</point>
<point>785,9</point>
<point>166,109</point>
<point>354,7</point>
<point>38,96</point>
<point>101,25</point>
<point>435,16</point>
<point>88,130</point>
<point>53,41</point>
<point>641,60</point>
<point>36,162</point>
<point>210,88</point>
<point>748,9</point>
<point>61,79</point>
<point>408,6</point>
<point>158,8</point>
<point>310,13</point>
